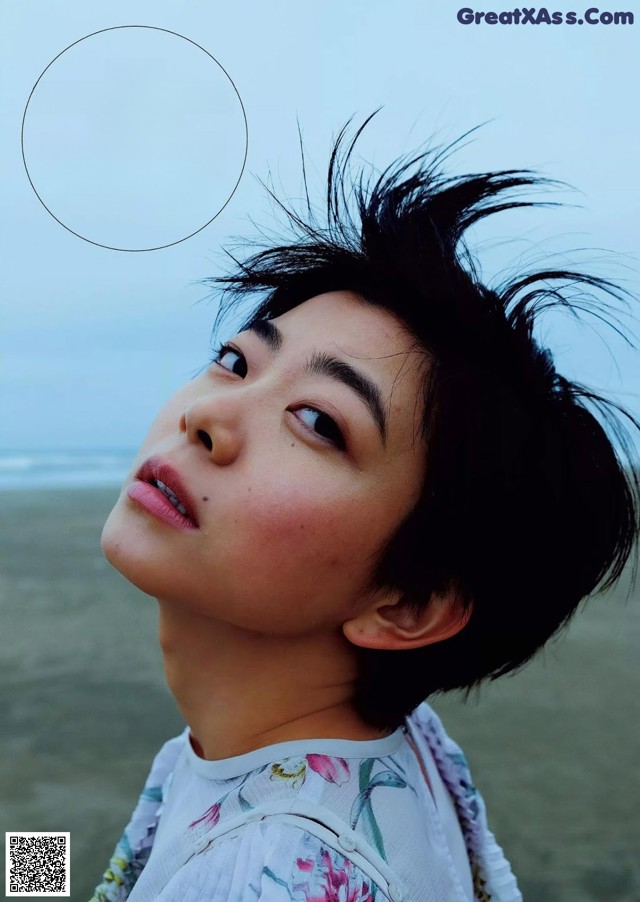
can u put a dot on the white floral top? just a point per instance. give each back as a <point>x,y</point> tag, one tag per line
<point>322,820</point>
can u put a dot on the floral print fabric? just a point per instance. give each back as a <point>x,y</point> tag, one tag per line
<point>360,791</point>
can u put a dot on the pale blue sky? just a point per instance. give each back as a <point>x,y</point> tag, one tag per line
<point>135,138</point>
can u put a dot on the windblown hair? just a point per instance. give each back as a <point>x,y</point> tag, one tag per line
<point>526,507</point>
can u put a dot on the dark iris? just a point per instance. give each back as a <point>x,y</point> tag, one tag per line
<point>327,428</point>
<point>239,367</point>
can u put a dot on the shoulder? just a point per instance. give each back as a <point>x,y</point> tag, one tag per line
<point>453,767</point>
<point>426,721</point>
<point>274,861</point>
<point>132,849</point>
<point>491,870</point>
<point>166,758</point>
<point>162,767</point>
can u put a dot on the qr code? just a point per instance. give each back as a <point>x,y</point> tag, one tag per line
<point>37,864</point>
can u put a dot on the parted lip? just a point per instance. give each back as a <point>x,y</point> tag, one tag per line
<point>156,468</point>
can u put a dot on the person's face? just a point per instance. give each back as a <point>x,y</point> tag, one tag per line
<point>295,490</point>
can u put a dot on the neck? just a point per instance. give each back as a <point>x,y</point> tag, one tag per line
<point>240,690</point>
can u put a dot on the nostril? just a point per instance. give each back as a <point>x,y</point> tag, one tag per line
<point>205,438</point>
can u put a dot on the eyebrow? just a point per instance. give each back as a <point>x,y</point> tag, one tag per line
<point>322,364</point>
<point>268,332</point>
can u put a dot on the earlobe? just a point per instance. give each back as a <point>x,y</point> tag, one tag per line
<point>396,626</point>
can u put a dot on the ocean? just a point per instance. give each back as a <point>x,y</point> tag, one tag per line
<point>64,468</point>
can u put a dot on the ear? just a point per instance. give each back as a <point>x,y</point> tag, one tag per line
<point>388,624</point>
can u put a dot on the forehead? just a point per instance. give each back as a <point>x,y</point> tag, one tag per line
<point>349,324</point>
<point>343,317</point>
<point>369,338</point>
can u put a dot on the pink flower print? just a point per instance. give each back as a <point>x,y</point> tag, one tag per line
<point>333,882</point>
<point>291,770</point>
<point>210,817</point>
<point>334,770</point>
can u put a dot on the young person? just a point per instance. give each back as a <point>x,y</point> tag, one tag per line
<point>379,489</point>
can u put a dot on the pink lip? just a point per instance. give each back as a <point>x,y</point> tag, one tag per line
<point>155,501</point>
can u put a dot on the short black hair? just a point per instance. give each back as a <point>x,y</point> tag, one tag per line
<point>526,507</point>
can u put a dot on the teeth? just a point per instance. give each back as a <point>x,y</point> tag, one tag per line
<point>172,498</point>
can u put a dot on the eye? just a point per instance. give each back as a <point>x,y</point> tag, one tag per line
<point>230,359</point>
<point>323,425</point>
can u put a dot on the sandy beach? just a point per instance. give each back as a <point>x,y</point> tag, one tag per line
<point>555,749</point>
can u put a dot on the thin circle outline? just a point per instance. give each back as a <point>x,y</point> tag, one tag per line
<point>136,250</point>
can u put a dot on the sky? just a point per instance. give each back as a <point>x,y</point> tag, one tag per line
<point>133,138</point>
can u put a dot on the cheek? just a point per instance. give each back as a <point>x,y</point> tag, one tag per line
<point>294,564</point>
<point>309,529</point>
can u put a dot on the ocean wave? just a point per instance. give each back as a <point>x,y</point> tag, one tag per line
<point>33,469</point>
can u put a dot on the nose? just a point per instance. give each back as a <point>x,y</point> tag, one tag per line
<point>215,425</point>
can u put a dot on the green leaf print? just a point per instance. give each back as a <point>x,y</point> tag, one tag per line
<point>388,778</point>
<point>372,830</point>
<point>356,809</point>
<point>269,873</point>
<point>365,772</point>
<point>362,805</point>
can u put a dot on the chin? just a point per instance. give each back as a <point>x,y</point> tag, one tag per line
<point>133,553</point>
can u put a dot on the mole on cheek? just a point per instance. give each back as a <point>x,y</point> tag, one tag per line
<point>205,498</point>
